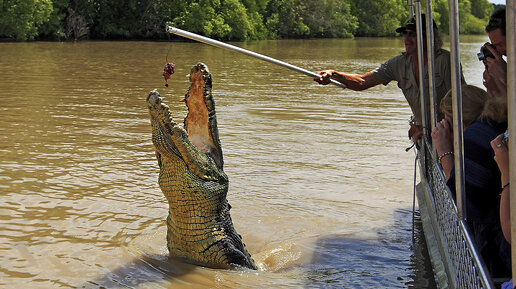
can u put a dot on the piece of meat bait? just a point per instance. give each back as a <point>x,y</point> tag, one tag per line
<point>168,71</point>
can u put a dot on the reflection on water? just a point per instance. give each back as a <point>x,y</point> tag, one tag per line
<point>320,184</point>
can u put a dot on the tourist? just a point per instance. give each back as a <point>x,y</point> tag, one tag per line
<point>496,67</point>
<point>473,102</point>
<point>482,187</point>
<point>404,69</point>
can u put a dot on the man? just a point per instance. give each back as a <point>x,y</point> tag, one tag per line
<point>404,69</point>
<point>495,75</point>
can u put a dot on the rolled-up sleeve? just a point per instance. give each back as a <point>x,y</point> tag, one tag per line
<point>388,71</point>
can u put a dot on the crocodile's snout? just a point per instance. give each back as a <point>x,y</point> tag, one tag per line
<point>154,98</point>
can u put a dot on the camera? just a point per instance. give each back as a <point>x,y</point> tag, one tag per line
<point>484,52</point>
<point>505,137</point>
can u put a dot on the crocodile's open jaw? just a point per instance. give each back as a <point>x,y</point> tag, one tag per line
<point>200,122</point>
<point>197,120</point>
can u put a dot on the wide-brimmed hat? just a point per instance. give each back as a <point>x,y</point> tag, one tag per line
<point>411,24</point>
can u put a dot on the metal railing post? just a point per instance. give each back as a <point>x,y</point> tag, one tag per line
<point>510,13</point>
<point>457,108</point>
<point>432,94</point>
<point>410,4</point>
<point>421,70</point>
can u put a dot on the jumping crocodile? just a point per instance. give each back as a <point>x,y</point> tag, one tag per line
<point>199,227</point>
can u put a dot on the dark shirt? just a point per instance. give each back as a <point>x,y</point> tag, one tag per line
<point>481,173</point>
<point>482,187</point>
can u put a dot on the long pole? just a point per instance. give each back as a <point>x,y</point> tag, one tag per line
<point>220,44</point>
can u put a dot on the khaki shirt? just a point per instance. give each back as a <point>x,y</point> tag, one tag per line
<point>401,69</point>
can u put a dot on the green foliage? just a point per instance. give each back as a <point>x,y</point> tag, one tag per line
<point>381,17</point>
<point>473,15</point>
<point>441,15</point>
<point>481,9</point>
<point>330,18</point>
<point>310,18</point>
<point>284,18</point>
<point>472,25</point>
<point>20,19</point>
<point>222,19</point>
<point>235,17</point>
<point>469,23</point>
<point>53,28</point>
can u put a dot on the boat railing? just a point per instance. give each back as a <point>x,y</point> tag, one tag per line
<point>454,257</point>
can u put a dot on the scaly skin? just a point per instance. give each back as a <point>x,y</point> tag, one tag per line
<point>199,227</point>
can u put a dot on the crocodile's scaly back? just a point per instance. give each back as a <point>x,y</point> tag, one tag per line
<point>199,226</point>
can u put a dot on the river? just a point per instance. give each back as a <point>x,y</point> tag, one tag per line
<point>321,186</point>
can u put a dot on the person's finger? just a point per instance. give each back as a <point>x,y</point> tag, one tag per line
<point>495,52</point>
<point>497,143</point>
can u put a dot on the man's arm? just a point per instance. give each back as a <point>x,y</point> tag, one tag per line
<point>352,81</point>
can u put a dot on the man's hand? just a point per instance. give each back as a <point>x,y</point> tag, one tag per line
<point>325,77</point>
<point>496,67</point>
<point>494,86</point>
<point>415,132</point>
<point>349,79</point>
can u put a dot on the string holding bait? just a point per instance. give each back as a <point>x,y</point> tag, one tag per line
<point>169,68</point>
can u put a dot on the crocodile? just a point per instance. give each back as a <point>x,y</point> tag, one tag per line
<point>199,226</point>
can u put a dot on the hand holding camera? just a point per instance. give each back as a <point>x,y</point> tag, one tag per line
<point>495,74</point>
<point>485,52</point>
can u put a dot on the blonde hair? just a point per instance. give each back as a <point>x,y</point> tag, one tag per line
<point>495,108</point>
<point>474,100</point>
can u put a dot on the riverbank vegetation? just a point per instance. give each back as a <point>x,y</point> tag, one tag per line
<point>22,20</point>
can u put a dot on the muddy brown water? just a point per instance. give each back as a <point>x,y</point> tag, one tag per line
<point>320,183</point>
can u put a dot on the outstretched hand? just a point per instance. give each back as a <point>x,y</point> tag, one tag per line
<point>352,80</point>
<point>325,77</point>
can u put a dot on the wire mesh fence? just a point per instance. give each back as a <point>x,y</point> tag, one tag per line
<point>462,264</point>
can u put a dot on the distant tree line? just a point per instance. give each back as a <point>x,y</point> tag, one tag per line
<point>23,20</point>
